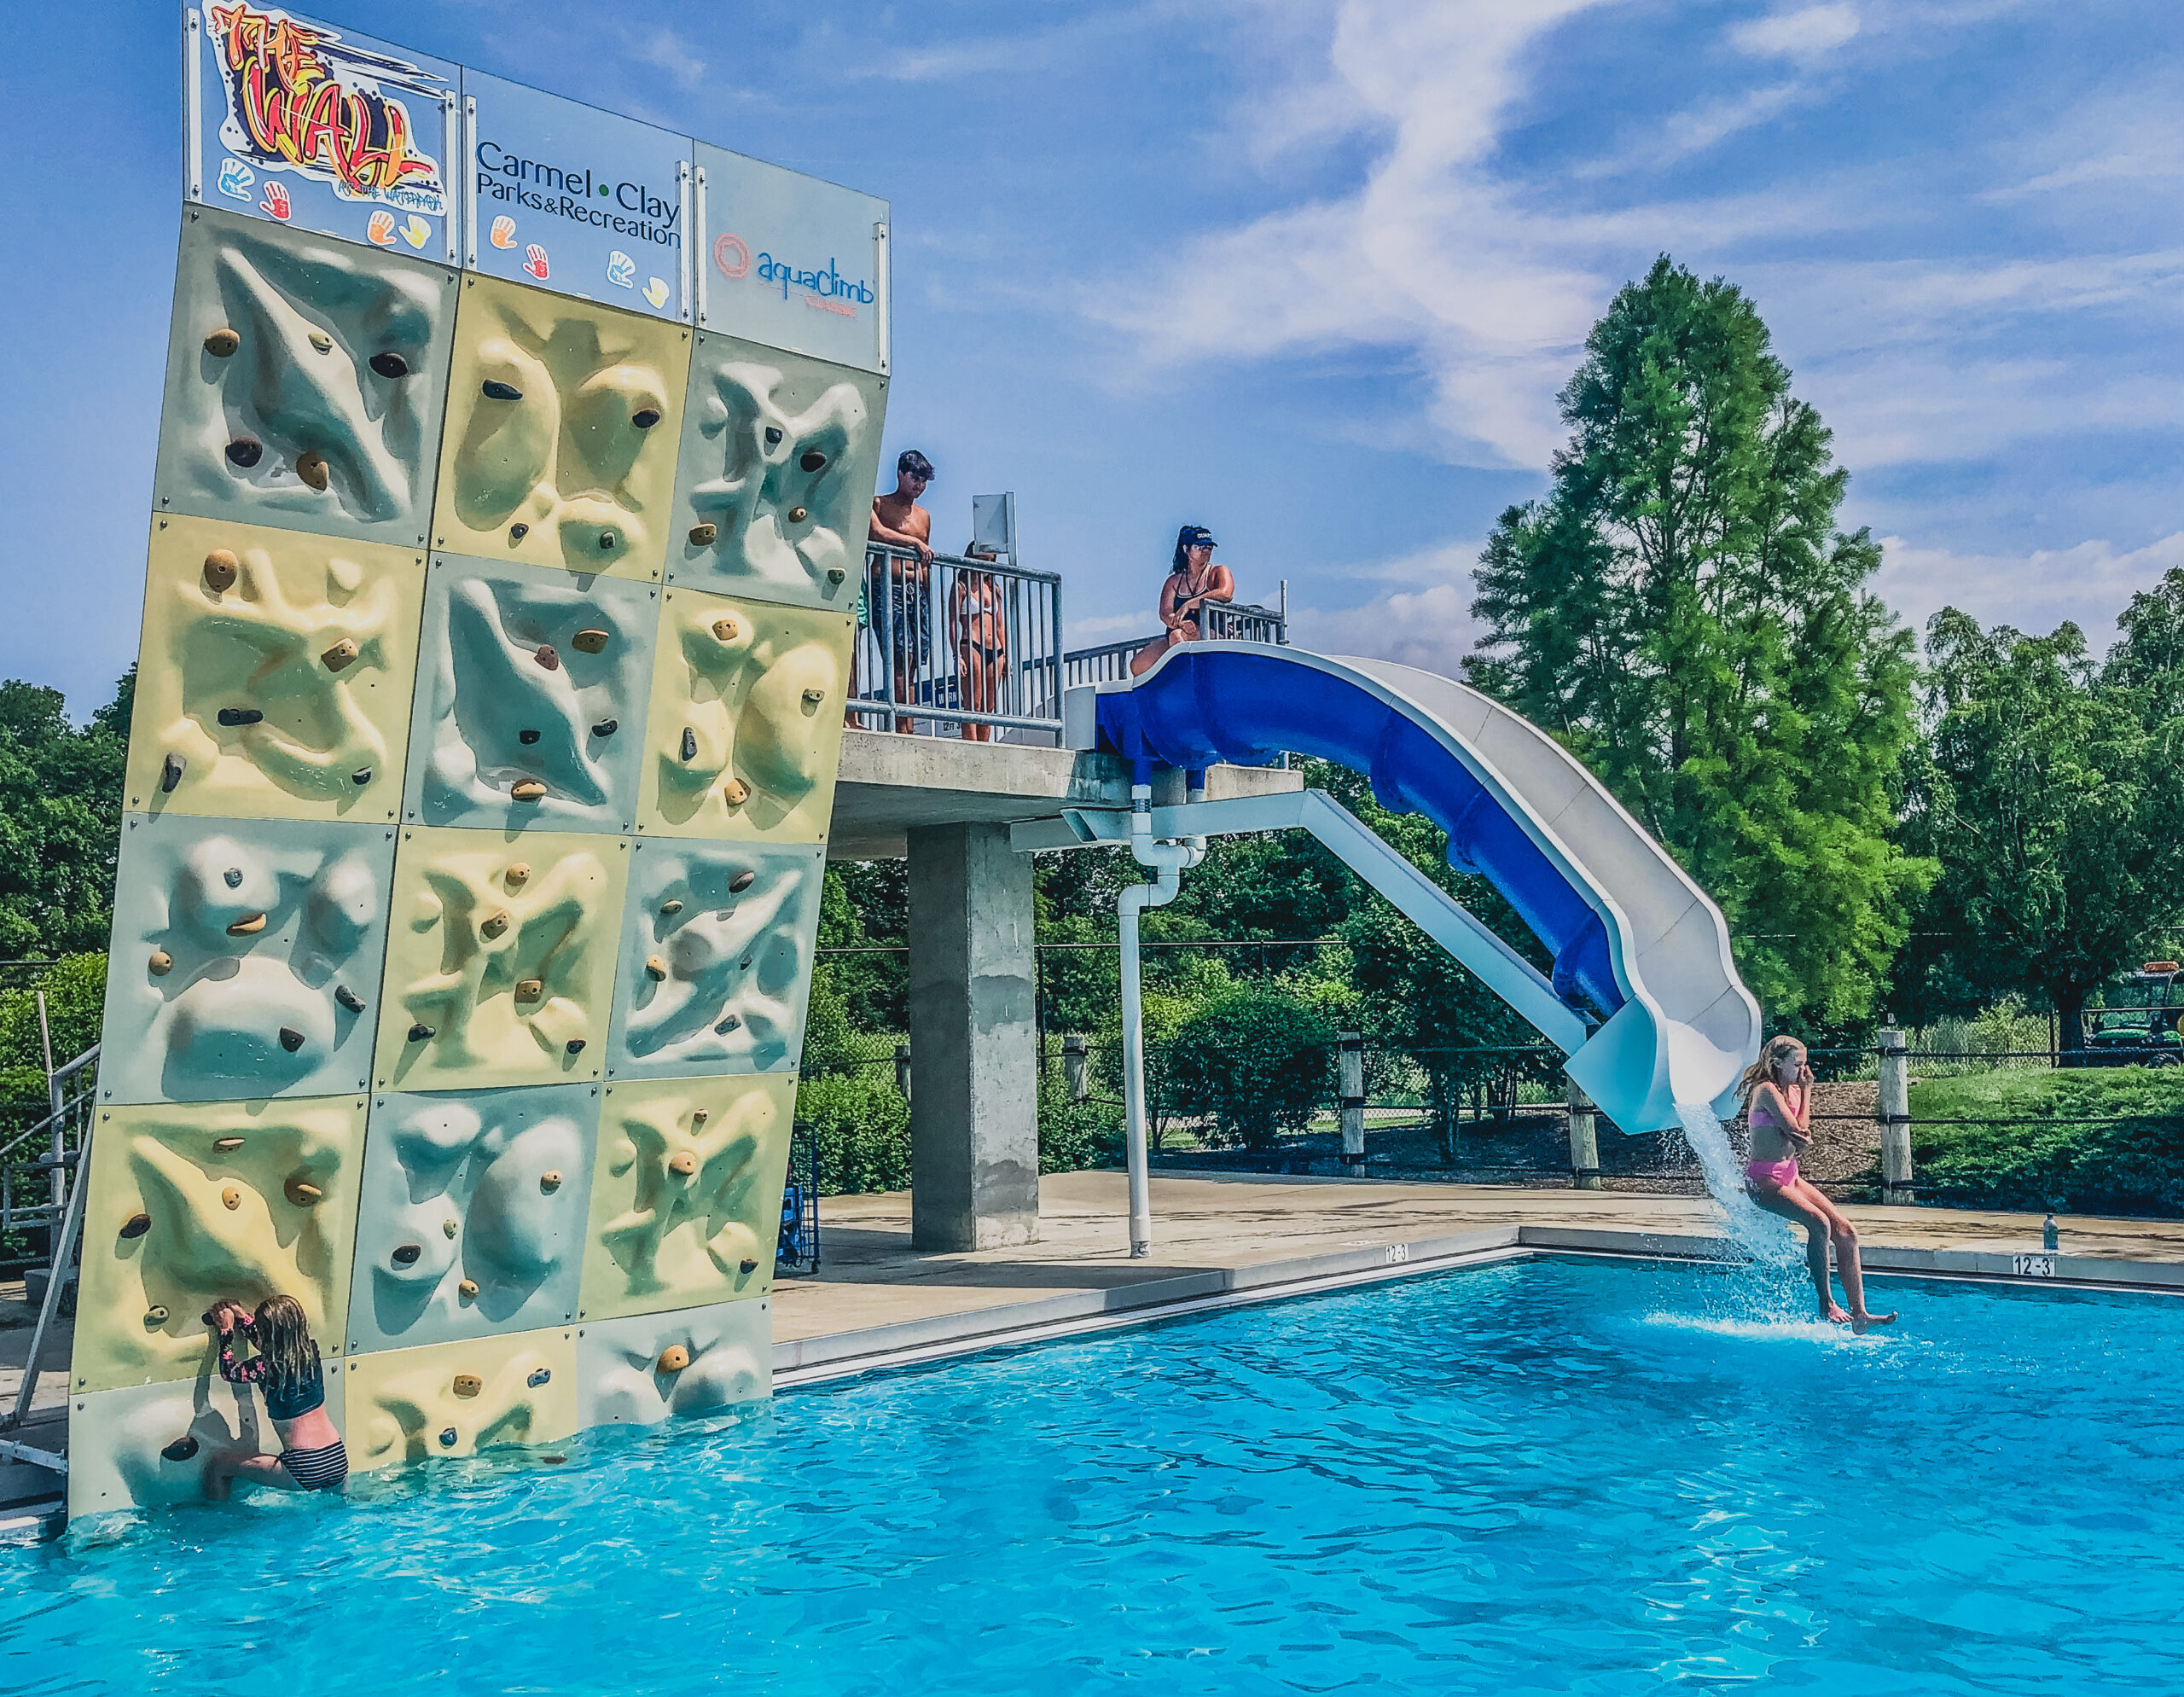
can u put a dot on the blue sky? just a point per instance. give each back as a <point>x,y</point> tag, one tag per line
<point>1310,274</point>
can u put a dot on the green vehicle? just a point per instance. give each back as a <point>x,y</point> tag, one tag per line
<point>2144,1033</point>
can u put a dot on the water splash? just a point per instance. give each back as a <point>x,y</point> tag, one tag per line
<point>1759,1234</point>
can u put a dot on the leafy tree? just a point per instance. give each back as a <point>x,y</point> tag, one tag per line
<point>60,819</point>
<point>2049,799</point>
<point>1682,612</point>
<point>1257,1061</point>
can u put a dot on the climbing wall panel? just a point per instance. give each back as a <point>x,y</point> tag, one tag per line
<point>686,1197</point>
<point>563,420</point>
<point>745,731</point>
<point>274,681</point>
<point>715,958</point>
<point>245,958</point>
<point>306,380</point>
<point>473,1214</point>
<point>191,1204</point>
<point>496,650</point>
<point>779,456</point>
<point>531,695</point>
<point>457,1398</point>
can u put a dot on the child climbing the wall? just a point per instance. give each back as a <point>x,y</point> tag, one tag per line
<point>1777,1090</point>
<point>286,1367</point>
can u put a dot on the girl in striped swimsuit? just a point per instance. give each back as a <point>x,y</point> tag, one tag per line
<point>1777,1089</point>
<point>286,1369</point>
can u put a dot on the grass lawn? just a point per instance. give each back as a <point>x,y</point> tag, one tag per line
<point>2097,1140</point>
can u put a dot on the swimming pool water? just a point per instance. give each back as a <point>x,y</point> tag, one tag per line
<point>1564,1477</point>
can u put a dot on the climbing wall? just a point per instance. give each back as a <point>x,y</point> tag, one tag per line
<point>496,650</point>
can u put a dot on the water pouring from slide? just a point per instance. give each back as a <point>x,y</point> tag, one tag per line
<point>1759,1234</point>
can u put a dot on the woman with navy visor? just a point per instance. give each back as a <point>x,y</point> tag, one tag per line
<point>1195,583</point>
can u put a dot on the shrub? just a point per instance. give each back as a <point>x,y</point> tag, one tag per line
<point>75,1004</point>
<point>1256,1062</point>
<point>861,1126</point>
<point>2090,1140</point>
<point>1074,1135</point>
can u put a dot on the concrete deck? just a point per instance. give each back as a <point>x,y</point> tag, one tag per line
<point>891,784</point>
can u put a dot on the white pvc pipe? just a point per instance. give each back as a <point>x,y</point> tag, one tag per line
<point>1167,861</point>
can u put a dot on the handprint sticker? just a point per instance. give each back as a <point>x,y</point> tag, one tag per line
<point>534,261</point>
<point>621,270</point>
<point>275,204</point>
<point>379,227</point>
<point>504,231</point>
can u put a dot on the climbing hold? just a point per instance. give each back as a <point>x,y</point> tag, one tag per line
<point>222,343</point>
<point>312,468</point>
<point>450,1226</point>
<point>698,1116</point>
<point>518,532</point>
<point>546,657</point>
<point>322,342</point>
<point>467,1289</point>
<point>340,656</point>
<point>219,569</point>
<point>169,774</point>
<point>494,924</point>
<point>156,1315</point>
<point>550,1180</point>
<point>703,535</point>
<point>245,453</point>
<point>674,1358</point>
<point>835,574</point>
<point>797,515</point>
<point>588,641</point>
<point>574,1046</point>
<point>526,737</point>
<point>606,727</point>
<point>303,1192</point>
<point>468,1385</point>
<point>528,789</point>
<point>750,1266</point>
<point>742,882</point>
<point>447,1438</point>
<point>135,1225</point>
<point>530,988</point>
<point>360,777</point>
<point>406,1254</point>
<point>348,998</point>
<point>390,365</point>
<point>248,926</point>
<point>232,877</point>
<point>185,1446</point>
<point>727,1025</point>
<point>645,417</point>
<point>689,743</point>
<point>518,871</point>
<point>735,792</point>
<point>538,1377</point>
<point>815,696</point>
<point>497,391</point>
<point>682,1161</point>
<point>161,963</point>
<point>419,1031</point>
<point>773,437</point>
<point>655,968</point>
<point>670,905</point>
<point>223,1144</point>
<point>813,459</point>
<point>291,1038</point>
<point>724,629</point>
<point>606,541</point>
<point>230,1198</point>
<point>235,716</point>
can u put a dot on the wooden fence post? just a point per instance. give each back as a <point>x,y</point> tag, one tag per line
<point>1350,1087</point>
<point>1072,1065</point>
<point>1585,1142</point>
<point>1893,1110</point>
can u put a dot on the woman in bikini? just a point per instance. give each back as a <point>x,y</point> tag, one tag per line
<point>1193,583</point>
<point>1777,1089</point>
<point>286,1367</point>
<point>980,627</point>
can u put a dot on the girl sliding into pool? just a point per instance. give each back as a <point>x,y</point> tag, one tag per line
<point>1777,1089</point>
<point>286,1367</point>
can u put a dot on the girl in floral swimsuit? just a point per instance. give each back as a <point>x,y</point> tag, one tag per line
<point>286,1369</point>
<point>1778,1090</point>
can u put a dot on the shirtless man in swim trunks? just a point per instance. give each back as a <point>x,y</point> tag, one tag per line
<point>897,519</point>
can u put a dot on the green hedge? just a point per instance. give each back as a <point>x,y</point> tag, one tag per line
<point>2096,1139</point>
<point>1255,1060</point>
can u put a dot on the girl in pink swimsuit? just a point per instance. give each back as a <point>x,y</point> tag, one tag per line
<point>1777,1089</point>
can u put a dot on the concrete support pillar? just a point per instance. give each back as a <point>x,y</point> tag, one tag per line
<point>1894,1111</point>
<point>974,1059</point>
<point>1584,1140</point>
<point>1349,1086</point>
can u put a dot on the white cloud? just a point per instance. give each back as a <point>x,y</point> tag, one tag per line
<point>1428,624</point>
<point>1804,33</point>
<point>665,50</point>
<point>2091,582</point>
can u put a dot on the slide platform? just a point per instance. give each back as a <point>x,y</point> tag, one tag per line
<point>1656,1015</point>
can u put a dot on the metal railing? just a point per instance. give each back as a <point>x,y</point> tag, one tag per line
<point>72,1090</point>
<point>1235,623</point>
<point>945,647</point>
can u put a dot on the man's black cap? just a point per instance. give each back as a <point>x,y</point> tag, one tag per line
<point>914,464</point>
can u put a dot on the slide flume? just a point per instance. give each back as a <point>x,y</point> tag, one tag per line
<point>1640,954</point>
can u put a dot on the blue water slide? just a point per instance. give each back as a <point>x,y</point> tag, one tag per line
<point>1640,956</point>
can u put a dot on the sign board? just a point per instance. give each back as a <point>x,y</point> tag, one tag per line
<point>296,121</point>
<point>790,261</point>
<point>993,526</point>
<point>564,196</point>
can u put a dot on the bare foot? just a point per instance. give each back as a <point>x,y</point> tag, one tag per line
<point>1841,1316</point>
<point>1860,1322</point>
